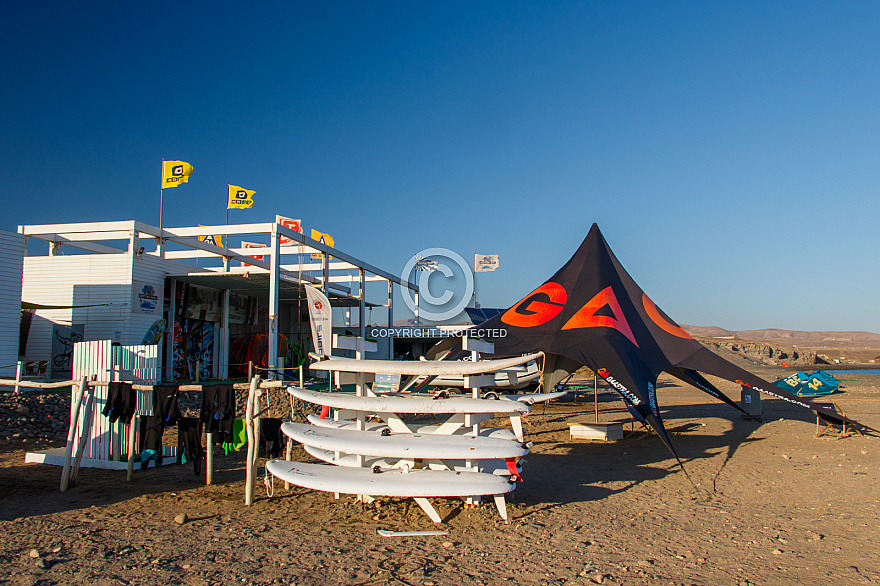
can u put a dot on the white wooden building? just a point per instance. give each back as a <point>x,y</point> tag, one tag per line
<point>11,254</point>
<point>115,280</point>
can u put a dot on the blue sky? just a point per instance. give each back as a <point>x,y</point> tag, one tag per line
<point>728,151</point>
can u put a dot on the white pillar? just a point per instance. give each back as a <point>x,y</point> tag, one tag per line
<point>133,242</point>
<point>274,284</point>
<point>390,319</point>
<point>169,333</point>
<point>223,373</point>
<point>362,316</point>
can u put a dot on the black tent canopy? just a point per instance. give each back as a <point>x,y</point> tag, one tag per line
<point>592,313</point>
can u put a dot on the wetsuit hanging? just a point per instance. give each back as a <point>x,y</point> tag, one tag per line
<point>218,410</point>
<point>152,429</point>
<point>270,436</point>
<point>165,403</point>
<point>121,402</point>
<point>238,439</point>
<point>189,442</point>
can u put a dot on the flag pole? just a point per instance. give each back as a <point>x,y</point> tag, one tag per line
<point>159,247</point>
<point>227,206</point>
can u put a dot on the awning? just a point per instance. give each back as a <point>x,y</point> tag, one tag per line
<point>257,284</point>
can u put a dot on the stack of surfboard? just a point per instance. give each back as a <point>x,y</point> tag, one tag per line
<point>451,457</point>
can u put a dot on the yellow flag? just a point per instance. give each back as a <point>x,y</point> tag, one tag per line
<point>240,198</point>
<point>215,239</point>
<point>175,172</point>
<point>323,239</point>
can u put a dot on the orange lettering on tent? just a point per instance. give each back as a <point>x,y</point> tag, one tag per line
<point>537,312</point>
<point>586,317</point>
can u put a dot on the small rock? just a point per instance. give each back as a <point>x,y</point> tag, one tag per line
<point>181,518</point>
<point>777,552</point>
<point>598,578</point>
<point>41,563</point>
<point>786,456</point>
<point>34,554</point>
<point>447,544</point>
<point>587,571</point>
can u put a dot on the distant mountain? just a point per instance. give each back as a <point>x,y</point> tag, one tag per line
<point>790,337</point>
<point>708,332</point>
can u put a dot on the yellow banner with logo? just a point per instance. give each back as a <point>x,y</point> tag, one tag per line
<point>240,198</point>
<point>174,173</point>
<point>323,239</point>
<point>215,239</point>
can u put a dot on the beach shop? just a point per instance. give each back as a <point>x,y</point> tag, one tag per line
<point>217,300</point>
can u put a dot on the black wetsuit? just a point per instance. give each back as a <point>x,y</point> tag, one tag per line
<point>121,402</point>
<point>218,410</point>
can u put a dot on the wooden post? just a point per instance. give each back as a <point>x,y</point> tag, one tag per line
<point>84,437</point>
<point>19,374</point>
<point>596,395</point>
<point>132,426</point>
<point>287,455</point>
<point>71,433</point>
<point>252,450</point>
<point>209,459</point>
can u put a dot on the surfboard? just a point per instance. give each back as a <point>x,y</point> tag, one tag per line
<point>493,466</point>
<point>515,377</point>
<point>416,367</point>
<point>403,445</point>
<point>404,404</point>
<point>397,483</point>
<point>343,424</point>
<point>493,432</point>
<point>533,398</point>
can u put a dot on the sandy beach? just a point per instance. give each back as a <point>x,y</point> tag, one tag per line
<point>767,503</point>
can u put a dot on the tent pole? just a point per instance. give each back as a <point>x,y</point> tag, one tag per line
<point>596,395</point>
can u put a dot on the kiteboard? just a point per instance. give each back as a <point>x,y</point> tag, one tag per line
<point>394,483</point>
<point>408,404</point>
<point>403,445</point>
<point>421,367</point>
<point>493,466</point>
<point>154,333</point>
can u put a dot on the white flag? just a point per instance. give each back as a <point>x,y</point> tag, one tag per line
<point>486,262</point>
<point>321,316</point>
<point>295,225</point>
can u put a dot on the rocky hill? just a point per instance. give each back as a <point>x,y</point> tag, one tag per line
<point>792,337</point>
